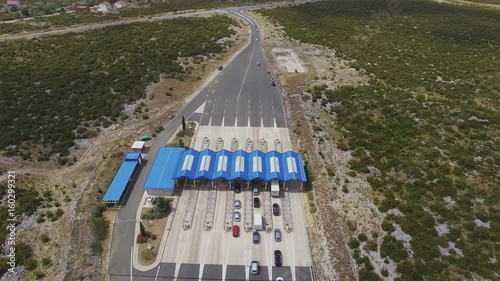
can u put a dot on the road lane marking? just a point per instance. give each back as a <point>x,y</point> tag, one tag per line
<point>158,271</point>
<point>246,73</point>
<point>131,261</point>
<point>292,269</point>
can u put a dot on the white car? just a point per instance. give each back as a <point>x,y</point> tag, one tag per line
<point>280,279</point>
<point>257,39</point>
<point>254,267</point>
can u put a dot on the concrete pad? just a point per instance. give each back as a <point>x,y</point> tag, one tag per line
<point>303,273</point>
<point>263,274</point>
<point>236,272</point>
<point>241,134</point>
<point>212,272</point>
<point>188,272</point>
<point>284,272</point>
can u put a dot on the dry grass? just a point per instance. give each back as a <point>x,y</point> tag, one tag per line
<point>157,228</point>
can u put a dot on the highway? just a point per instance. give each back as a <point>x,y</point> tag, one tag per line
<point>240,95</point>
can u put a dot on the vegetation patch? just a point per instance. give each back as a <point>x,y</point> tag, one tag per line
<point>162,208</point>
<point>100,229</point>
<point>41,23</point>
<point>58,89</point>
<point>428,120</point>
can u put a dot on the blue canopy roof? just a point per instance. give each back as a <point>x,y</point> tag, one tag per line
<point>205,165</point>
<point>120,182</point>
<point>132,156</point>
<point>239,167</point>
<point>256,160</point>
<point>293,169</point>
<point>222,165</point>
<point>161,175</point>
<point>187,165</point>
<point>274,167</point>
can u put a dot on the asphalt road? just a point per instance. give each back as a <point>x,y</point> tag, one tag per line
<point>240,95</point>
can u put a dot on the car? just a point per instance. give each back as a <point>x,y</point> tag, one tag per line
<point>150,18</point>
<point>237,216</point>
<point>254,267</point>
<point>276,209</point>
<point>256,237</point>
<point>277,258</point>
<point>268,71</point>
<point>258,63</point>
<point>237,188</point>
<point>277,235</point>
<point>256,191</point>
<point>256,202</point>
<point>257,39</point>
<point>280,279</point>
<point>237,204</point>
<point>236,231</point>
<point>273,83</point>
<point>220,67</point>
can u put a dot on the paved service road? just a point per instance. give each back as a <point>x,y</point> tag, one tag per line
<point>240,95</point>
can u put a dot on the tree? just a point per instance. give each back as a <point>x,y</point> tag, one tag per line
<point>183,123</point>
<point>162,205</point>
<point>143,230</point>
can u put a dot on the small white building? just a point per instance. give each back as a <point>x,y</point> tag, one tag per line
<point>104,7</point>
<point>138,146</point>
<point>119,4</point>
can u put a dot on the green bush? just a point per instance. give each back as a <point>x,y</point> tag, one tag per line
<point>393,248</point>
<point>44,238</point>
<point>353,243</point>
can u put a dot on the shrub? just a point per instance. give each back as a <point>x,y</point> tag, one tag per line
<point>366,275</point>
<point>39,275</point>
<point>44,238</point>
<point>46,262</point>
<point>372,245</point>
<point>384,272</point>
<point>353,243</point>
<point>147,255</point>
<point>362,237</point>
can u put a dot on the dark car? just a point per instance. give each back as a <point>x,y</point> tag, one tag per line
<point>256,237</point>
<point>276,209</point>
<point>220,67</point>
<point>256,202</point>
<point>273,83</point>
<point>237,188</point>
<point>277,258</point>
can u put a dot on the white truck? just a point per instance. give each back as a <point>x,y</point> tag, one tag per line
<point>275,188</point>
<point>257,222</point>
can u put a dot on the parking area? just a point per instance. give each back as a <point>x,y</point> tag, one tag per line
<point>215,253</point>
